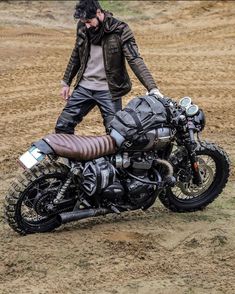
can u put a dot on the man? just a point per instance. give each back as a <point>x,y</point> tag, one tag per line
<point>98,59</point>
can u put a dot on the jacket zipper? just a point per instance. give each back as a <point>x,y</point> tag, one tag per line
<point>102,43</point>
<point>85,63</point>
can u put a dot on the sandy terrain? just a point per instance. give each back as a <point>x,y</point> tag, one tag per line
<point>189,47</point>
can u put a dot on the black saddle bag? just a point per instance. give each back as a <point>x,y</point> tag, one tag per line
<point>141,115</point>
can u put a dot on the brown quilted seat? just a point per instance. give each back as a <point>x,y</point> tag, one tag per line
<point>80,147</point>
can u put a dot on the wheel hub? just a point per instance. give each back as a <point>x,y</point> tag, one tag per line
<point>44,205</point>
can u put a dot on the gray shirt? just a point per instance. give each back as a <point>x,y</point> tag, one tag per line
<point>94,77</point>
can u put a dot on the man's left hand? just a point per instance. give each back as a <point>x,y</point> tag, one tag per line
<point>156,93</point>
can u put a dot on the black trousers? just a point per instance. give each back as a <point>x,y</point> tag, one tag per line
<point>80,103</point>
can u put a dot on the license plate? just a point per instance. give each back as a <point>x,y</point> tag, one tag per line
<point>31,157</point>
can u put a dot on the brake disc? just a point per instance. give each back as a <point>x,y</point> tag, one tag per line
<point>207,175</point>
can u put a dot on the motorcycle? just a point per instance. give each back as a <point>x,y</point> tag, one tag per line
<point>100,176</point>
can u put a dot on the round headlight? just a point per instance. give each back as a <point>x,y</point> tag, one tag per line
<point>192,110</point>
<point>185,102</point>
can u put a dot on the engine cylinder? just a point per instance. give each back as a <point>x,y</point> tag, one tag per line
<point>163,137</point>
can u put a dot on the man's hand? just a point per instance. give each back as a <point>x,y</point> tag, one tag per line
<point>65,92</point>
<point>156,93</point>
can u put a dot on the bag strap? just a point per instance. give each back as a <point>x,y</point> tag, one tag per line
<point>136,119</point>
<point>165,102</point>
<point>151,101</point>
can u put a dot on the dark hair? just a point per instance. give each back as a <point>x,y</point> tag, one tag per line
<point>86,9</point>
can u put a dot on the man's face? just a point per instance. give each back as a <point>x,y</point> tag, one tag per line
<point>95,22</point>
<point>91,23</point>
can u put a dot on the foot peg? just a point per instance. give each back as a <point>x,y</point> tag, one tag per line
<point>170,180</point>
<point>114,209</point>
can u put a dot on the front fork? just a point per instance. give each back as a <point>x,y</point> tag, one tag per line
<point>197,179</point>
<point>191,147</point>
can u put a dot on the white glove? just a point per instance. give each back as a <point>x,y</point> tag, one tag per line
<point>155,92</point>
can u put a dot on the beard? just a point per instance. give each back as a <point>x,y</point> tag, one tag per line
<point>95,34</point>
<point>95,30</point>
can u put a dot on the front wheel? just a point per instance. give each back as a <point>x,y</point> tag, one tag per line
<point>29,203</point>
<point>214,168</point>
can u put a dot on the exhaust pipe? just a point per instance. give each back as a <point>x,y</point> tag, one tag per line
<point>67,217</point>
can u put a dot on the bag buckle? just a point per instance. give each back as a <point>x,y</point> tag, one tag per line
<point>141,132</point>
<point>128,144</point>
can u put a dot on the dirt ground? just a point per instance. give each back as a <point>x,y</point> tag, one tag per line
<point>189,47</point>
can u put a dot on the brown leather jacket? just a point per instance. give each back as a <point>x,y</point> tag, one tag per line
<point>119,44</point>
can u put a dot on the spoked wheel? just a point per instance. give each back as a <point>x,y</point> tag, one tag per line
<point>29,205</point>
<point>214,169</point>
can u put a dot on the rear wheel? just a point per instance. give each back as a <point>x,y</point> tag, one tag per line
<point>29,204</point>
<point>214,168</point>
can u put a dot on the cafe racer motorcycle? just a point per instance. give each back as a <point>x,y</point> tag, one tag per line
<point>171,164</point>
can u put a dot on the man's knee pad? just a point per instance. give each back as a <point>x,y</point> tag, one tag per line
<point>65,124</point>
